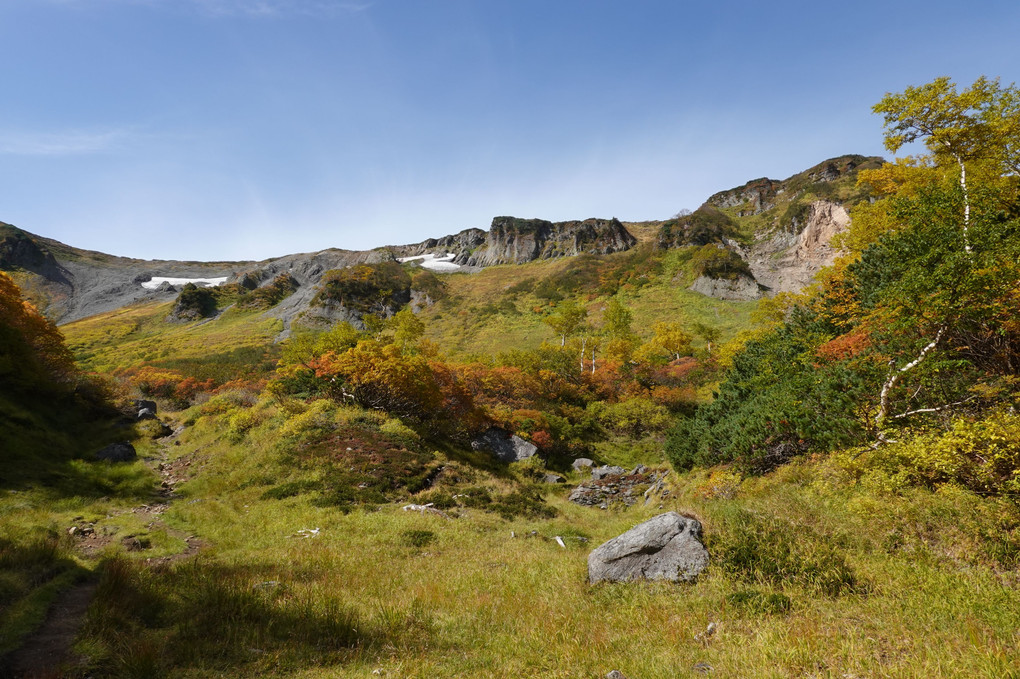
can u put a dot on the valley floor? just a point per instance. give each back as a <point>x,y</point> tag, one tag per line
<point>814,573</point>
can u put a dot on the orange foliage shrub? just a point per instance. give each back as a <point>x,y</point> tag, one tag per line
<point>846,346</point>
<point>32,350</point>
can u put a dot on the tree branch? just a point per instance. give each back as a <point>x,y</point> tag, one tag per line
<point>930,410</point>
<point>896,373</point>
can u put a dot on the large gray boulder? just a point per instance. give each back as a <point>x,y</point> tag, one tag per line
<point>666,547</point>
<point>507,447</point>
<point>117,452</point>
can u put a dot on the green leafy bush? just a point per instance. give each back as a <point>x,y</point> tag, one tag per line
<point>754,602</point>
<point>417,538</point>
<point>981,454</point>
<point>366,287</point>
<point>270,295</point>
<point>194,303</point>
<point>776,402</point>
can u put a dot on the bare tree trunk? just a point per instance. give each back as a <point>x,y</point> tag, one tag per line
<point>966,206</point>
<point>584,343</point>
<point>896,373</point>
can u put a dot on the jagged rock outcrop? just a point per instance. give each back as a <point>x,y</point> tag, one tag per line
<point>461,244</point>
<point>511,240</point>
<point>117,452</point>
<point>504,445</point>
<point>794,221</point>
<point>754,197</point>
<point>516,241</point>
<point>18,251</point>
<point>612,485</point>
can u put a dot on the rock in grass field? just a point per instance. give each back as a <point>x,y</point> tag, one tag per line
<point>666,547</point>
<point>504,445</point>
<point>117,452</point>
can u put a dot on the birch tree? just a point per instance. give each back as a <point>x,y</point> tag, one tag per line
<point>960,128</point>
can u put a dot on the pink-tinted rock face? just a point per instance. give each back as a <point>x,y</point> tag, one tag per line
<point>787,262</point>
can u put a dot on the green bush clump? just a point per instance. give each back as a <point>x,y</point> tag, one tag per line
<point>417,538</point>
<point>754,602</point>
<point>194,303</point>
<point>429,284</point>
<point>774,404</point>
<point>769,550</point>
<point>365,287</point>
<point>705,225</point>
<point>282,287</point>
<point>718,262</point>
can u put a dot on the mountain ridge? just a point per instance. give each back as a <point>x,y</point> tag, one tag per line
<point>69,283</point>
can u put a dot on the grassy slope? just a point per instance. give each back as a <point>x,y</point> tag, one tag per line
<point>482,316</point>
<point>140,333</point>
<point>474,601</point>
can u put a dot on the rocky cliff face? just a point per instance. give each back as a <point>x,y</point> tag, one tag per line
<point>511,240</point>
<point>754,197</point>
<point>789,261</point>
<point>516,241</point>
<point>781,229</point>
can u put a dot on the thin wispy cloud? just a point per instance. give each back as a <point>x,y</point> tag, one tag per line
<point>276,8</point>
<point>249,8</point>
<point>69,143</point>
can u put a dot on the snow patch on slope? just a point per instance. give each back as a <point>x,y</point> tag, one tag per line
<point>156,281</point>
<point>434,262</point>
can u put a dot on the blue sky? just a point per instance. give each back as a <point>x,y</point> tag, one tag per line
<point>244,129</point>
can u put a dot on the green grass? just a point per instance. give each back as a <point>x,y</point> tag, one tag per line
<point>136,334</point>
<point>810,575</point>
<point>482,315</point>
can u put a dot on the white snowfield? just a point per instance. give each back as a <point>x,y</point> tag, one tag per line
<point>434,262</point>
<point>156,281</point>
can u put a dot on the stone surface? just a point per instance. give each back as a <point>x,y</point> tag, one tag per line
<point>739,288</point>
<point>666,547</point>
<point>553,478</point>
<point>582,463</point>
<point>141,404</point>
<point>788,261</point>
<point>507,447</point>
<point>620,488</point>
<point>117,452</point>
<point>606,470</point>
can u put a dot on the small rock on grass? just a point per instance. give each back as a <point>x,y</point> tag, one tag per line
<point>117,452</point>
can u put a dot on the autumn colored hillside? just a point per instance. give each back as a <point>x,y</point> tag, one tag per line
<point>382,469</point>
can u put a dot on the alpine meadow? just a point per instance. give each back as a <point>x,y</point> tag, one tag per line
<point>775,436</point>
